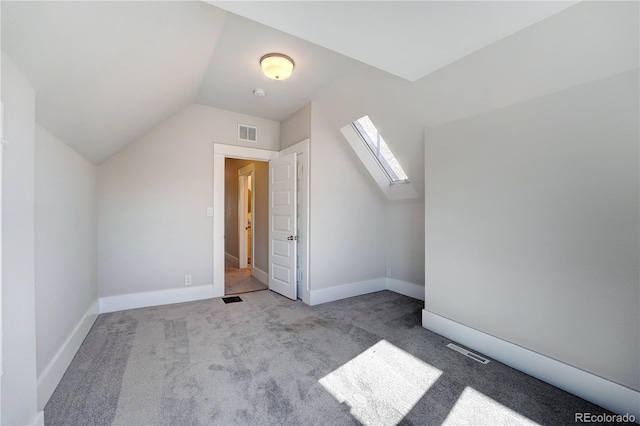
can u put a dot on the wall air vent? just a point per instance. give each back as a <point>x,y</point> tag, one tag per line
<point>467,353</point>
<point>247,133</point>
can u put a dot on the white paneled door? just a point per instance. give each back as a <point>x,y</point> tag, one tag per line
<point>283,238</point>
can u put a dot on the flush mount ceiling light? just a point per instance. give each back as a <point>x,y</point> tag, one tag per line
<point>277,66</point>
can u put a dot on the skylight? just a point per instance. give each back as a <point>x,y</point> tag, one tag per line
<point>375,155</point>
<point>380,150</point>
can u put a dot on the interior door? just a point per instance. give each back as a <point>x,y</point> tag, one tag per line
<point>282,226</point>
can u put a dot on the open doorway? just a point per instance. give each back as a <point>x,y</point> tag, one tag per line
<point>220,153</point>
<point>246,225</point>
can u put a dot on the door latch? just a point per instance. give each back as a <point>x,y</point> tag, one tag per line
<point>292,238</point>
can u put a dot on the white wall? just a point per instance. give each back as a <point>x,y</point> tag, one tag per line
<point>355,231</point>
<point>296,127</point>
<point>18,274</point>
<point>66,212</point>
<point>346,212</point>
<point>585,42</point>
<point>404,243</point>
<point>153,196</point>
<point>532,225</point>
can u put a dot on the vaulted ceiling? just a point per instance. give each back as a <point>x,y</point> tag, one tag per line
<point>409,39</point>
<point>106,73</point>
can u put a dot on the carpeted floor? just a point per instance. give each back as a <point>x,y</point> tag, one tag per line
<point>272,361</point>
<point>238,281</point>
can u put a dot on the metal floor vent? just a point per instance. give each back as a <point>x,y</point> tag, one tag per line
<point>465,352</point>
<point>231,299</point>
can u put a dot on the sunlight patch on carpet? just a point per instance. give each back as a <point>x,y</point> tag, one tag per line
<point>473,407</point>
<point>382,384</point>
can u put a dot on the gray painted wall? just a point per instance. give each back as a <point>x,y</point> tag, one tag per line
<point>153,196</point>
<point>66,218</point>
<point>532,225</point>
<point>18,235</point>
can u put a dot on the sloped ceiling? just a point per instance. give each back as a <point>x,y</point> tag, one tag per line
<point>106,73</point>
<point>234,70</point>
<point>408,39</point>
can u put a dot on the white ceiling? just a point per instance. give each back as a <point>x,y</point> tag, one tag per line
<point>234,70</point>
<point>105,73</point>
<point>409,39</point>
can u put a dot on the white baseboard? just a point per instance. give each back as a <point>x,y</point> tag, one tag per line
<point>344,291</point>
<point>52,374</point>
<point>612,396</point>
<point>406,288</point>
<point>234,261</point>
<point>38,419</point>
<point>155,298</point>
<point>260,275</point>
<point>332,294</point>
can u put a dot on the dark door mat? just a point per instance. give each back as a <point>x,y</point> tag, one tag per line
<point>232,299</point>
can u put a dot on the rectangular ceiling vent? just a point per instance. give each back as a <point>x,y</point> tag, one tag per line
<point>247,133</point>
<point>467,353</point>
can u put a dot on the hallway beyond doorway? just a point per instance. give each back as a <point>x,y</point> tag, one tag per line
<point>238,281</point>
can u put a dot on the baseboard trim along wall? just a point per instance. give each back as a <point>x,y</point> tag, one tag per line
<point>155,298</point>
<point>234,261</point>
<point>331,294</point>
<point>607,394</point>
<point>52,374</point>
<point>260,275</point>
<point>404,287</point>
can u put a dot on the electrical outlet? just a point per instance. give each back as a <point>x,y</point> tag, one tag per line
<point>210,211</point>
<point>388,271</point>
<point>187,280</point>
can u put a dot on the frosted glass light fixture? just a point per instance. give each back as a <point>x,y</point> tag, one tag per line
<point>277,66</point>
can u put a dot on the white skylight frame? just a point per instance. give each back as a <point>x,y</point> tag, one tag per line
<point>403,190</point>
<point>373,140</point>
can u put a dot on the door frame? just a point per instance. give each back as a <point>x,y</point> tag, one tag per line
<point>220,153</point>
<point>243,248</point>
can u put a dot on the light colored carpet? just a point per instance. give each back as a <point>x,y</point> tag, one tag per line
<point>238,281</point>
<point>273,361</point>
